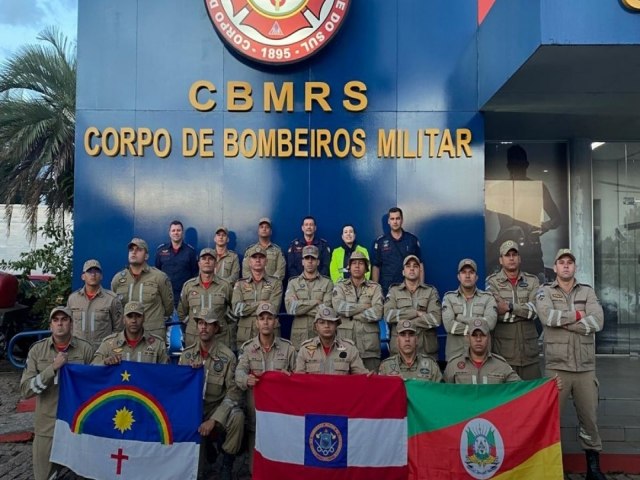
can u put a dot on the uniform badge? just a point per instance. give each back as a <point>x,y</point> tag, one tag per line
<point>217,365</point>
<point>556,295</point>
<point>151,340</point>
<point>523,284</point>
<point>187,356</point>
<point>117,350</point>
<point>194,293</point>
<point>460,365</point>
<point>122,280</point>
<point>343,355</point>
<point>341,348</point>
<point>424,371</point>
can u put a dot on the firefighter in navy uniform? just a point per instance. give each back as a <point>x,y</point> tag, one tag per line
<point>177,259</point>
<point>390,250</point>
<point>571,315</point>
<point>294,253</point>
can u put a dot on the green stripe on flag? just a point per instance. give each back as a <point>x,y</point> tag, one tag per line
<point>432,406</point>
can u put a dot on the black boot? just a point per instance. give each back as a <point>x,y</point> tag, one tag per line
<point>227,466</point>
<point>593,466</point>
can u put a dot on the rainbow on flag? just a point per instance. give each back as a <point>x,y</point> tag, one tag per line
<point>129,421</point>
<point>507,431</point>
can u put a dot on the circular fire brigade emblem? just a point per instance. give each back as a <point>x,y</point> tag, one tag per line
<point>277,31</point>
<point>325,442</point>
<point>481,449</point>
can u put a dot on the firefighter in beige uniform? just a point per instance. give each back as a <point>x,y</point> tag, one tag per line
<point>477,365</point>
<point>249,292</point>
<point>276,263</point>
<point>359,303</point>
<point>408,362</point>
<point>227,261</point>
<point>97,312</point>
<point>462,306</point>
<point>141,283</point>
<point>304,294</point>
<point>263,353</point>
<point>40,378</point>
<point>134,343</point>
<point>515,337</point>
<point>328,353</point>
<point>207,290</point>
<point>415,301</point>
<point>223,418</point>
<point>571,315</point>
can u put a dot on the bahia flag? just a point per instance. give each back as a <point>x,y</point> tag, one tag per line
<point>129,421</point>
<point>508,431</point>
<point>330,427</point>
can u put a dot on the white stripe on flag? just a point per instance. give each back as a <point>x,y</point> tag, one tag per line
<point>91,456</point>
<point>280,437</point>
<point>371,442</point>
<point>377,442</point>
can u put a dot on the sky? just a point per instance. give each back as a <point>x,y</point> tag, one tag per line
<point>22,20</point>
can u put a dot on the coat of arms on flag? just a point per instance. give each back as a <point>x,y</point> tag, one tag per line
<point>330,427</point>
<point>507,431</point>
<point>129,421</point>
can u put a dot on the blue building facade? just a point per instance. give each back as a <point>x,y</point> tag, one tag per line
<point>405,98</point>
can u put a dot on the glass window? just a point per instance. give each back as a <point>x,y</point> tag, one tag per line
<point>616,230</point>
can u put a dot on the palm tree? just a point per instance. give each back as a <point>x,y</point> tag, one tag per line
<point>37,123</point>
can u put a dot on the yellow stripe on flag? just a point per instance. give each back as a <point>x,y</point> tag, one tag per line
<point>545,464</point>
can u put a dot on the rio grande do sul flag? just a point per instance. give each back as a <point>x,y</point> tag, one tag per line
<point>330,427</point>
<point>129,421</point>
<point>508,431</point>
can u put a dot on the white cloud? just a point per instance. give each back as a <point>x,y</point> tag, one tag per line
<point>22,20</point>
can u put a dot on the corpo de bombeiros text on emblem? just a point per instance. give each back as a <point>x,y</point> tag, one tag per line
<point>277,31</point>
<point>481,448</point>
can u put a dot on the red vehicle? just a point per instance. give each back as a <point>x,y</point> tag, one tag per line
<point>16,303</point>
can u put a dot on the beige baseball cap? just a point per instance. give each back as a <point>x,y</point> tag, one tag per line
<point>325,312</point>
<point>266,307</point>
<point>482,325</point>
<point>256,250</point>
<point>406,325</point>
<point>224,229</point>
<point>207,251</point>
<point>410,257</point>
<point>264,220</point>
<point>564,252</point>
<point>91,264</point>
<point>133,307</point>
<point>310,251</point>
<point>62,309</point>
<point>508,245</point>
<point>204,314</point>
<point>467,262</point>
<point>138,242</point>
